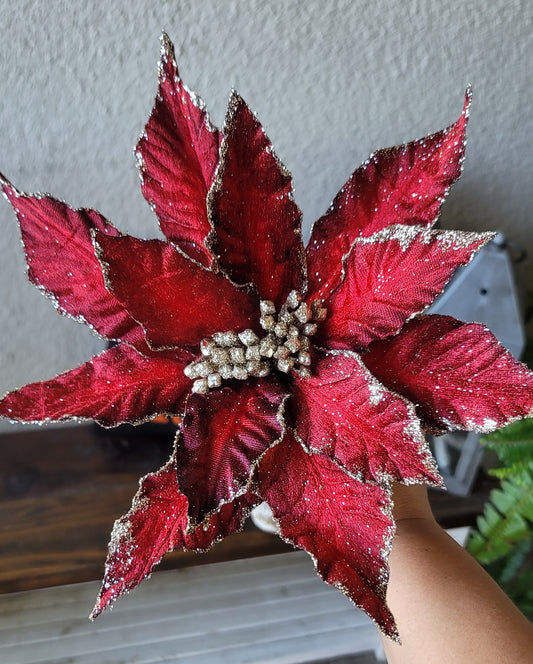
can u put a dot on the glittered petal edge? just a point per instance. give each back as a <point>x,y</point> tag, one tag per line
<point>321,231</point>
<point>105,423</point>
<point>406,236</point>
<point>249,484</point>
<point>217,184</point>
<point>387,511</point>
<point>417,434</point>
<point>167,59</point>
<point>121,535</point>
<point>243,296</point>
<point>409,345</point>
<point>131,338</point>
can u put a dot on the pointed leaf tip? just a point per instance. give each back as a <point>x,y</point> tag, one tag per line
<point>468,99</point>
<point>457,373</point>
<point>378,293</point>
<point>404,185</point>
<point>167,47</point>
<point>177,155</point>
<point>234,99</point>
<point>71,279</point>
<point>155,525</point>
<point>344,525</point>
<point>119,385</point>
<point>4,180</point>
<point>256,225</point>
<point>7,187</point>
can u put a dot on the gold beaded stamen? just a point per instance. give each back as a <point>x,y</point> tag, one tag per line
<point>227,355</point>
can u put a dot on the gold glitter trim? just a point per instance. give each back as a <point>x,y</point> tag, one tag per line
<point>47,293</point>
<point>191,525</point>
<point>167,54</point>
<point>413,430</point>
<point>448,240</point>
<point>121,534</point>
<point>419,141</point>
<point>234,100</point>
<point>77,418</point>
<point>385,550</point>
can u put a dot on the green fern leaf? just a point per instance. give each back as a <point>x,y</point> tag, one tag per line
<point>510,471</point>
<point>521,430</point>
<point>505,521</point>
<point>513,563</point>
<point>513,444</point>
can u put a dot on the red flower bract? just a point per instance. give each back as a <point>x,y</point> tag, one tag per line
<point>305,378</point>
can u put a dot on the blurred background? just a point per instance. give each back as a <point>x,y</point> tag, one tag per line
<point>331,82</point>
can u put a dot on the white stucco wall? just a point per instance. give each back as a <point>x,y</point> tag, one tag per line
<point>331,81</point>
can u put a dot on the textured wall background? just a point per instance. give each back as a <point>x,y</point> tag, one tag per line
<point>330,81</point>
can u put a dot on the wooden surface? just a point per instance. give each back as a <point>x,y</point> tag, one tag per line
<point>62,488</point>
<point>265,610</point>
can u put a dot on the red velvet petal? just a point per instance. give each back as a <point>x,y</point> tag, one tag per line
<point>156,525</point>
<point>118,386</point>
<point>343,412</point>
<point>346,526</point>
<point>402,185</point>
<point>224,434</point>
<point>175,300</point>
<point>256,236</point>
<point>177,156</point>
<point>390,277</point>
<point>71,278</point>
<point>457,374</point>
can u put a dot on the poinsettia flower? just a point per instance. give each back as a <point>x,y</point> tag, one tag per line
<point>304,377</point>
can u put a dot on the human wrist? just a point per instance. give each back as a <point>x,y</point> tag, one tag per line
<point>410,502</point>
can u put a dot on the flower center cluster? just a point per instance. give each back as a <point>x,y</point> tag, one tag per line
<point>232,355</point>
